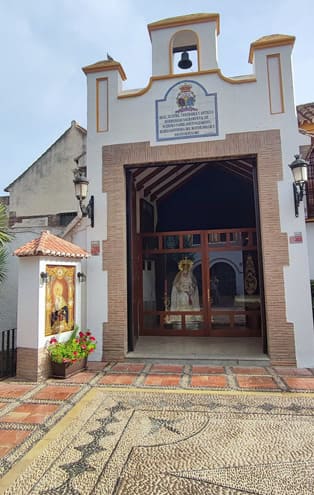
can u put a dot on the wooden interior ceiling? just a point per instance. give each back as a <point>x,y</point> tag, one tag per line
<point>160,181</point>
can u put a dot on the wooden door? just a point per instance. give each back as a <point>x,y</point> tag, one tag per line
<point>199,283</point>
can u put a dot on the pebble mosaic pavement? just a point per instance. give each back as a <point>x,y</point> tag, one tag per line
<point>143,428</point>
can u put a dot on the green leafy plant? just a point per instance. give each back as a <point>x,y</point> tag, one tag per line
<point>5,238</point>
<point>78,346</point>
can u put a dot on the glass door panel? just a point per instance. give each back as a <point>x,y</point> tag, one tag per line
<point>199,283</point>
<point>234,292</point>
<point>172,295</point>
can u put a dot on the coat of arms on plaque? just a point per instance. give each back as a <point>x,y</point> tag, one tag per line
<point>186,111</point>
<point>186,99</point>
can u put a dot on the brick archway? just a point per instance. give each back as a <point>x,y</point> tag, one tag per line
<point>266,146</point>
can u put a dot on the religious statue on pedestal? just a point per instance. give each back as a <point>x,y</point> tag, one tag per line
<point>184,294</point>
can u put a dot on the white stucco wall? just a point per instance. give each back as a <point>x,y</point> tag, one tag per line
<point>242,107</point>
<point>93,301</point>
<point>78,235</point>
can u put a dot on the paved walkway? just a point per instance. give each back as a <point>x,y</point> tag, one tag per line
<point>28,411</point>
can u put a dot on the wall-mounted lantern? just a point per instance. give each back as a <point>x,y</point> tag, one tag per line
<point>81,277</point>
<point>44,278</point>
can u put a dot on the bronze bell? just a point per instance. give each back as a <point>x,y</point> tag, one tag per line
<point>185,62</point>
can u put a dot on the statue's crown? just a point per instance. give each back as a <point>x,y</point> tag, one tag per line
<point>185,262</point>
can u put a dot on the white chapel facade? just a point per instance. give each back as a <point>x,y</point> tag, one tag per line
<point>195,232</point>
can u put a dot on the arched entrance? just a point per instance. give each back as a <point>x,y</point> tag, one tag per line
<point>126,170</point>
<point>188,236</point>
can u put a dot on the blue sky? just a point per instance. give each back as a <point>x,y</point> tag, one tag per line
<point>44,44</point>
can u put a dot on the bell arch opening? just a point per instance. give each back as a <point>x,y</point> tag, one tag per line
<point>184,52</point>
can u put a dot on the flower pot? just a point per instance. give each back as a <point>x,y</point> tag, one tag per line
<point>65,370</point>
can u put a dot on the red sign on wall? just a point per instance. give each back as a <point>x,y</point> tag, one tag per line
<point>95,248</point>
<point>296,238</point>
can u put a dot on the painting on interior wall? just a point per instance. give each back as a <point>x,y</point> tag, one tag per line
<point>60,299</point>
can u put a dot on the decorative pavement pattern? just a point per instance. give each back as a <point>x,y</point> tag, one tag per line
<point>210,430</point>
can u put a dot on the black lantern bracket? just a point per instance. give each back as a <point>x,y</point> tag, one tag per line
<point>299,171</point>
<point>81,277</point>
<point>88,210</point>
<point>298,193</point>
<point>44,278</point>
<point>81,186</point>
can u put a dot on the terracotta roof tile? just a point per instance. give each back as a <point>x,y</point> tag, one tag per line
<point>306,113</point>
<point>51,245</point>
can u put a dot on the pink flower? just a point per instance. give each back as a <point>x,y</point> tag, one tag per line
<point>88,333</point>
<point>92,338</point>
<point>81,334</point>
<point>91,350</point>
<point>53,340</point>
<point>83,347</point>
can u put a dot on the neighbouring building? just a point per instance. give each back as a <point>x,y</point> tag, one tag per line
<point>41,198</point>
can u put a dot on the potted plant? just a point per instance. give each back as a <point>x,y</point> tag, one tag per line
<point>70,357</point>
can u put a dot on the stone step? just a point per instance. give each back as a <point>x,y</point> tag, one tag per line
<point>260,361</point>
